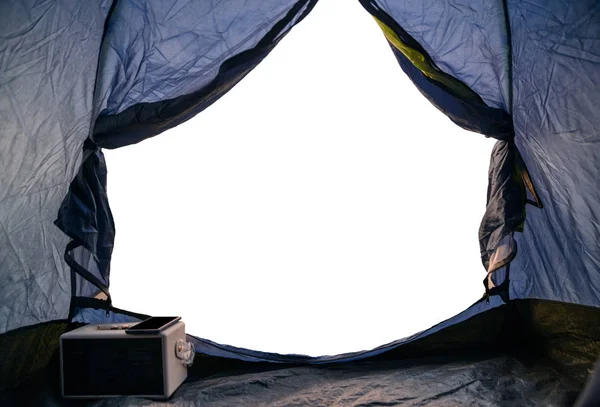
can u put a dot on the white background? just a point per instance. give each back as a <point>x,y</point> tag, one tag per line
<point>321,206</point>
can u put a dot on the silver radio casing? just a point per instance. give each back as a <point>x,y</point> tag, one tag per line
<point>99,363</point>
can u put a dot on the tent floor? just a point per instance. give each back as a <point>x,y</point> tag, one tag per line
<point>477,380</point>
<point>527,353</point>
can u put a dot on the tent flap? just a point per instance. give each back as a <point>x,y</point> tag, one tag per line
<point>86,218</point>
<point>166,62</point>
<point>505,211</point>
<point>449,94</point>
<point>48,57</point>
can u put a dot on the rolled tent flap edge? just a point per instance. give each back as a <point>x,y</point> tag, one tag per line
<point>85,217</point>
<point>508,186</point>
<point>447,93</point>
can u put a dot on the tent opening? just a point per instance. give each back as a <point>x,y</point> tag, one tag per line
<point>310,210</point>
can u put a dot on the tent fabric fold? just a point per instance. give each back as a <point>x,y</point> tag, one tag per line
<point>85,217</point>
<point>505,211</point>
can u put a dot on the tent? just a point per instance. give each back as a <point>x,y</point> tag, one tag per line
<point>80,77</point>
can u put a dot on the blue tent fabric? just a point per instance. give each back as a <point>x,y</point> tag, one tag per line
<point>556,81</point>
<point>86,218</point>
<point>466,39</point>
<point>505,211</point>
<point>85,213</point>
<point>76,78</point>
<point>159,50</point>
<point>468,111</point>
<point>176,71</point>
<point>48,58</point>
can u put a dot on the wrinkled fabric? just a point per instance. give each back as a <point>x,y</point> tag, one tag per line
<point>543,360</point>
<point>488,382</point>
<point>556,81</point>
<point>493,381</point>
<point>85,213</point>
<point>85,216</point>
<point>466,39</point>
<point>590,397</point>
<point>505,212</point>
<point>449,94</point>
<point>525,73</point>
<point>158,50</point>
<point>48,57</point>
<point>164,62</point>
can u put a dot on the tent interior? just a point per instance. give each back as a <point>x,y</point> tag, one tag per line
<point>78,79</point>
